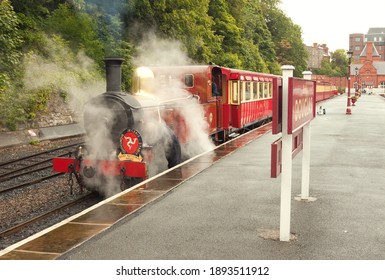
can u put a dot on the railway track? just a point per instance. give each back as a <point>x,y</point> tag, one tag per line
<point>31,169</point>
<point>32,196</point>
<point>47,215</point>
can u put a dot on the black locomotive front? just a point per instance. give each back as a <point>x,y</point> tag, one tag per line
<point>127,141</point>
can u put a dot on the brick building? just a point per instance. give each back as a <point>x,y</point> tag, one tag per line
<point>357,42</point>
<point>370,71</point>
<point>366,71</point>
<point>317,53</point>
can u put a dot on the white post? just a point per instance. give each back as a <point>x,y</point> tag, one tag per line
<point>306,153</point>
<point>287,146</point>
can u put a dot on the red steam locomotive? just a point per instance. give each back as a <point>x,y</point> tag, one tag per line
<point>166,119</point>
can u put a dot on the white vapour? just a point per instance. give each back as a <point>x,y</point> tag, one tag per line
<point>74,74</point>
<point>160,52</point>
<point>154,51</point>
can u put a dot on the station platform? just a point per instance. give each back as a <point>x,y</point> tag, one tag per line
<point>224,205</point>
<point>21,137</point>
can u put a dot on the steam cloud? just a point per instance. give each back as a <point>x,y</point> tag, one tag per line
<point>151,124</point>
<point>161,52</point>
<point>76,75</point>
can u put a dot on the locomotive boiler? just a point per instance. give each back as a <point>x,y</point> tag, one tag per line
<point>127,138</point>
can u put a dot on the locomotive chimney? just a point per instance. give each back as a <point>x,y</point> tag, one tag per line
<point>114,74</point>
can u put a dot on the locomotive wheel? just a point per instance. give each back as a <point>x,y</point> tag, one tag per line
<point>174,153</point>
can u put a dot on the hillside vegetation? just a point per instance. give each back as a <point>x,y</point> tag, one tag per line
<point>56,47</point>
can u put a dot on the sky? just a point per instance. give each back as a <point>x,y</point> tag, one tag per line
<point>331,21</point>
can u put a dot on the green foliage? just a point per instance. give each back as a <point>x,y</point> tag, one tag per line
<point>34,142</point>
<point>28,104</point>
<point>36,101</point>
<point>48,46</point>
<point>286,35</point>
<point>77,28</point>
<point>337,67</point>
<point>188,22</point>
<point>10,42</point>
<point>10,39</point>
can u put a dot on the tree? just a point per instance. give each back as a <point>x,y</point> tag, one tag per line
<point>188,21</point>
<point>337,67</point>
<point>255,29</point>
<point>77,28</point>
<point>226,29</point>
<point>287,37</point>
<point>340,62</point>
<point>10,42</point>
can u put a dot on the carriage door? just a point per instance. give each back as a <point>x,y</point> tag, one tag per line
<point>218,86</point>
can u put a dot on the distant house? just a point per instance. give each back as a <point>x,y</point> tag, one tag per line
<point>317,53</point>
<point>357,42</point>
<point>366,71</point>
<point>370,71</point>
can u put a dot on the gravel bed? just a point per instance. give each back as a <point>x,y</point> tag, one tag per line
<point>32,201</point>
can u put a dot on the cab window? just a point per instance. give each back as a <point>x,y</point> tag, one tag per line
<point>189,80</point>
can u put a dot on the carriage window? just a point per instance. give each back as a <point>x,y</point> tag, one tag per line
<point>235,92</point>
<point>270,89</point>
<point>265,90</point>
<point>246,86</point>
<point>260,87</point>
<point>189,80</point>
<point>255,90</point>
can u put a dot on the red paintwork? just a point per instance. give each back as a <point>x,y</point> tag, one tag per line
<point>219,112</point>
<point>301,103</point>
<point>104,167</point>
<point>276,152</point>
<point>325,90</point>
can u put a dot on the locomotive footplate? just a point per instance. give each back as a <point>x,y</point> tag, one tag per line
<point>129,169</point>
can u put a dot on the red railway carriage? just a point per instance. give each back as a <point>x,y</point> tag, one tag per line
<point>232,99</point>
<point>325,90</point>
<point>166,119</point>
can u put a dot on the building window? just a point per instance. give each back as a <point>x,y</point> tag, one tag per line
<point>357,39</point>
<point>357,48</point>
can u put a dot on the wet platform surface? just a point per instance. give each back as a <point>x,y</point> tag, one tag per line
<point>63,237</point>
<point>230,208</point>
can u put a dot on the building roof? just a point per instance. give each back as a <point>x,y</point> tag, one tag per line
<point>353,68</point>
<point>380,66</point>
<point>376,30</point>
<point>375,52</point>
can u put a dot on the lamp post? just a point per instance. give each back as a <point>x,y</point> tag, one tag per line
<point>348,110</point>
<point>356,87</point>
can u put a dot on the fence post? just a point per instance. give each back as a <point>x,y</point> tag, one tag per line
<point>287,146</point>
<point>306,153</point>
